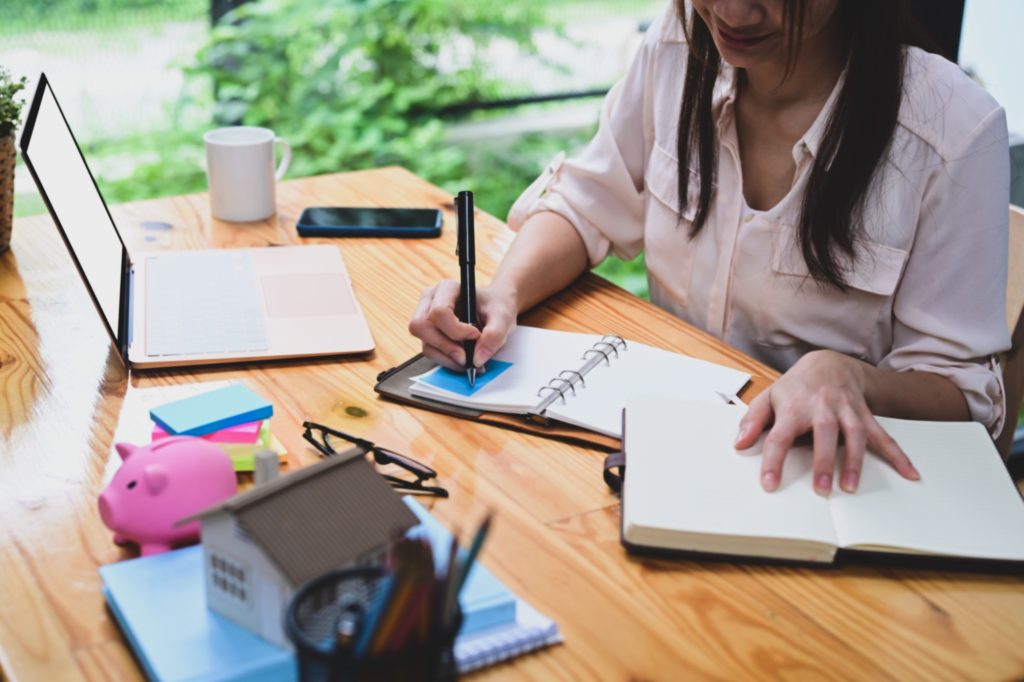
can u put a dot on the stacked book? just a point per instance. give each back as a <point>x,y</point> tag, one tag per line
<point>241,442</point>
<point>227,414</point>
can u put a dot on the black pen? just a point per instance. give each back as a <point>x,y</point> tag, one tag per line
<point>466,309</point>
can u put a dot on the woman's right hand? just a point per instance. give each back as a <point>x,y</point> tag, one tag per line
<point>442,334</point>
<point>544,258</point>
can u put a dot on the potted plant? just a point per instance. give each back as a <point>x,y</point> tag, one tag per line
<point>10,114</point>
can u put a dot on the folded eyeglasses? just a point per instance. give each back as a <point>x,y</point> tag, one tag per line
<point>320,437</point>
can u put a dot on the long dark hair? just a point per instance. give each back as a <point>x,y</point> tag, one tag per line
<point>857,135</point>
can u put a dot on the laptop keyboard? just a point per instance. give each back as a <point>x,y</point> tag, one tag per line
<point>203,303</point>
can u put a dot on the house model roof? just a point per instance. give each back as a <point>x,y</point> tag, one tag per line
<point>320,517</point>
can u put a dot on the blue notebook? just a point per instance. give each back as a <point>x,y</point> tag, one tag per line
<point>212,411</point>
<point>160,604</point>
<point>485,600</point>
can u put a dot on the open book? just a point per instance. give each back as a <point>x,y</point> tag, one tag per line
<point>687,489</point>
<point>579,379</point>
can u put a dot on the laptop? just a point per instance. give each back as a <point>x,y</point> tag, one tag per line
<point>182,308</point>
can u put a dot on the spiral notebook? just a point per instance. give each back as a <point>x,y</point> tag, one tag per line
<point>578,379</point>
<point>529,631</point>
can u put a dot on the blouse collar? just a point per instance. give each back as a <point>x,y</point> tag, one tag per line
<point>723,102</point>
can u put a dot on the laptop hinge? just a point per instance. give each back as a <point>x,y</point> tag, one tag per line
<point>124,334</point>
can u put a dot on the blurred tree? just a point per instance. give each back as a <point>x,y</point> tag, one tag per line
<point>355,83</point>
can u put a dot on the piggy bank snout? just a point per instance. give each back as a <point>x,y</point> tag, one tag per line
<point>107,508</point>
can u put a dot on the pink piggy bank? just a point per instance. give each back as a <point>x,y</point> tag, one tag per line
<point>160,483</point>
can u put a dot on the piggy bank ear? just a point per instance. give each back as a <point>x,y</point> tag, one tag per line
<point>156,478</point>
<point>125,449</point>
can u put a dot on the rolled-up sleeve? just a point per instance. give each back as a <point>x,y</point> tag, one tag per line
<point>600,190</point>
<point>949,311</point>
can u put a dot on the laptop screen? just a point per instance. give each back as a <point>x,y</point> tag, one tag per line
<point>75,202</point>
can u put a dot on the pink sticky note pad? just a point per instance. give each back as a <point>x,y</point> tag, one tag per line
<point>240,433</point>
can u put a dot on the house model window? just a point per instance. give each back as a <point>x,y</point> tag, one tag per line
<point>229,577</point>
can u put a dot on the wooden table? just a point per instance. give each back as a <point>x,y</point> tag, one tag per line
<point>555,539</point>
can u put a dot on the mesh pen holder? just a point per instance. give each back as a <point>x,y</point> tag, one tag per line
<point>315,622</point>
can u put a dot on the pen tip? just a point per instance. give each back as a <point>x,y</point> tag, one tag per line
<point>471,373</point>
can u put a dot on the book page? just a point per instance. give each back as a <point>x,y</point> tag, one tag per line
<point>643,369</point>
<point>964,505</point>
<point>536,357</point>
<point>684,479</point>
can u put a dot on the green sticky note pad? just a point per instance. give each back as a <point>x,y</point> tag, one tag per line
<point>243,455</point>
<point>208,412</point>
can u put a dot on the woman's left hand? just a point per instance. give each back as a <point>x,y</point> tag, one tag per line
<point>823,393</point>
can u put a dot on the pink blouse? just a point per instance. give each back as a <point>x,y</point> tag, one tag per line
<point>928,288</point>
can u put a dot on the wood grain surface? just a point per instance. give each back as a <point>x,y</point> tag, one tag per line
<point>555,539</point>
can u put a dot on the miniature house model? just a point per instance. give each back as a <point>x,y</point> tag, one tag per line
<point>260,546</point>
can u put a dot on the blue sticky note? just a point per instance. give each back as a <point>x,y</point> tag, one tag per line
<point>208,412</point>
<point>456,382</point>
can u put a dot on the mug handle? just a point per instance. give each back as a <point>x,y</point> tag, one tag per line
<point>286,157</point>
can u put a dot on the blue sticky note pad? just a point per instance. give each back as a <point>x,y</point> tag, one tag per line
<point>456,382</point>
<point>208,412</point>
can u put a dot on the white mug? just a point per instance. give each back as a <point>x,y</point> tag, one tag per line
<point>240,170</point>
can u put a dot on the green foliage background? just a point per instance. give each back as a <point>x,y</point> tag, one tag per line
<point>351,84</point>
<point>22,16</point>
<point>11,101</point>
<point>357,84</point>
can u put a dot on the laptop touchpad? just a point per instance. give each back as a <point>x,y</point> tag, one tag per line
<point>307,295</point>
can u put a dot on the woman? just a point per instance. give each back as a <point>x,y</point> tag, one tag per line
<point>826,198</point>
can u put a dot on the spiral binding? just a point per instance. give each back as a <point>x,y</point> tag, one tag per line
<point>556,387</point>
<point>501,646</point>
<point>573,372</point>
<point>557,392</point>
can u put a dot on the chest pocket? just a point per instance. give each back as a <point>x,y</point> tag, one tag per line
<point>795,310</point>
<point>667,244</point>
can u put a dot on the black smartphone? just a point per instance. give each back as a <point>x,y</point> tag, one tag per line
<point>370,222</point>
